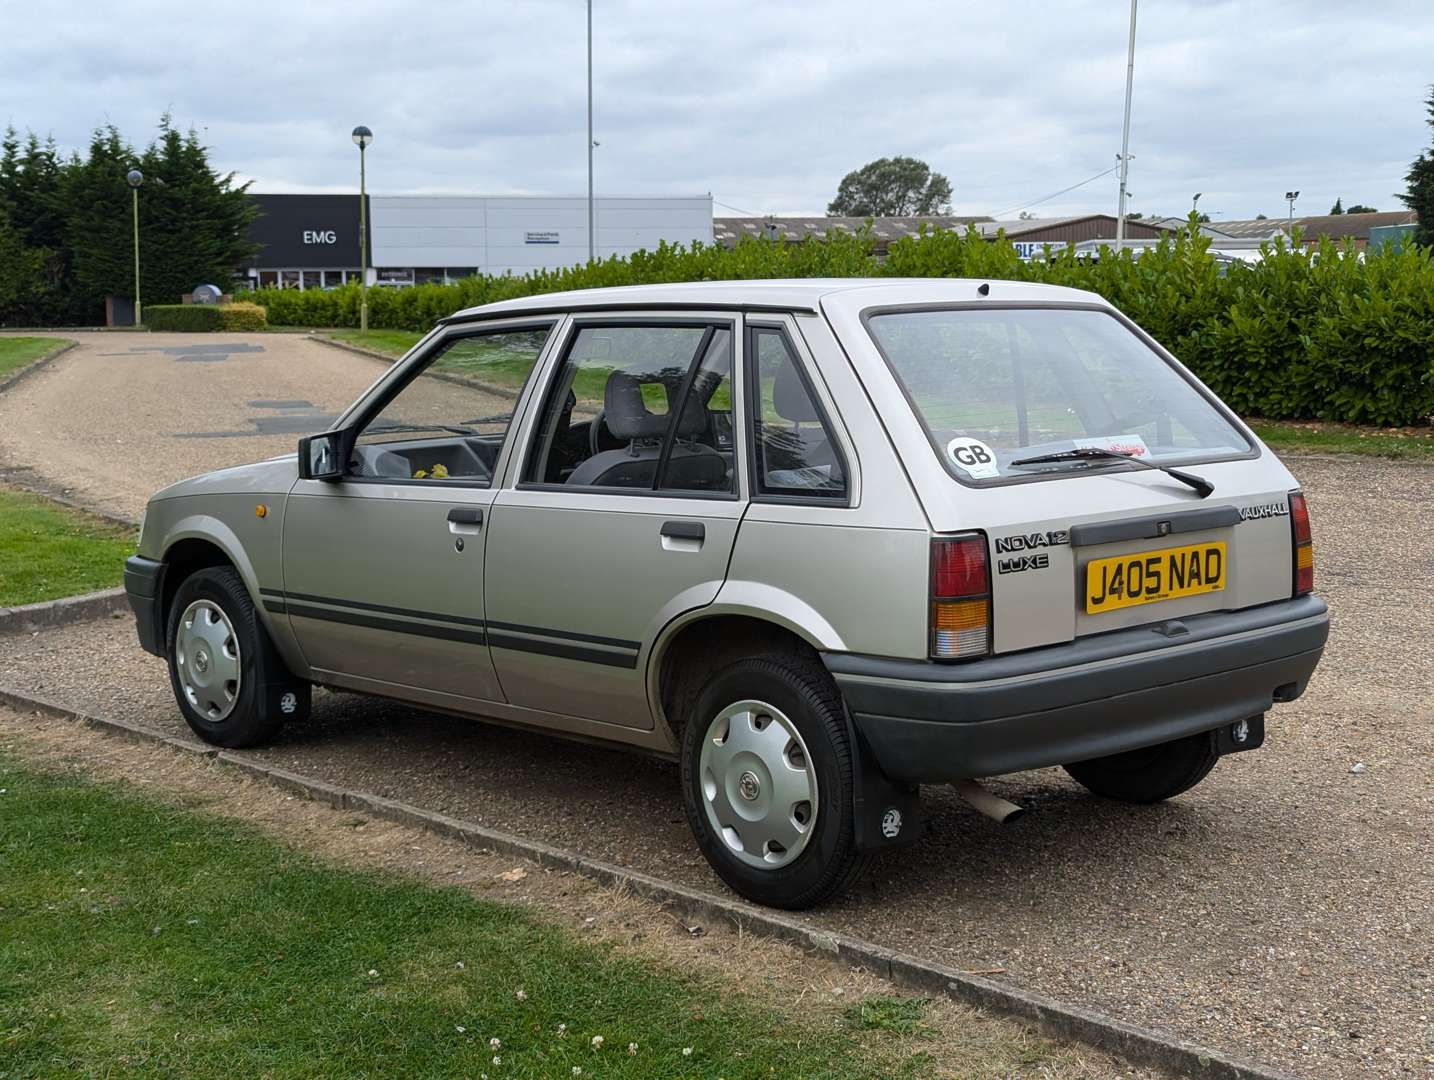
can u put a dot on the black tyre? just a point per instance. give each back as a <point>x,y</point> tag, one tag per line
<point>228,679</point>
<point>1150,774</point>
<point>767,781</point>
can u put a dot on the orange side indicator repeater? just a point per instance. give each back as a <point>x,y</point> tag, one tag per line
<point>261,510</point>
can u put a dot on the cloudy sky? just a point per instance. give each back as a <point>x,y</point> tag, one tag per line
<point>764,104</point>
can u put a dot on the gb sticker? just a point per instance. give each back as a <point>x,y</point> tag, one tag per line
<point>973,457</point>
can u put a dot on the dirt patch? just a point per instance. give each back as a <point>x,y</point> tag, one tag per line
<point>957,1038</point>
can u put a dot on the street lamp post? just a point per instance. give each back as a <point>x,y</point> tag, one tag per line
<point>1195,204</point>
<point>1290,197</point>
<point>362,136</point>
<point>134,178</point>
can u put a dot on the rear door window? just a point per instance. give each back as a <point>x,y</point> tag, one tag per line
<point>795,452</point>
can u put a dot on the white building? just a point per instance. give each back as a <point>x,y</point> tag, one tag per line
<point>311,241</point>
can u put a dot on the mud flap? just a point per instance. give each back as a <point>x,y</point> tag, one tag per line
<point>1242,735</point>
<point>287,699</point>
<point>887,814</point>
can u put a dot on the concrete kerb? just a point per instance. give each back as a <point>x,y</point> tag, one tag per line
<point>35,365</point>
<point>28,618</point>
<point>1052,1018</point>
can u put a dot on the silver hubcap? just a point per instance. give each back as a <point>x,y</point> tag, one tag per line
<point>206,655</point>
<point>758,784</point>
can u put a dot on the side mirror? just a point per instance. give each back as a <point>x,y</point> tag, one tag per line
<point>321,456</point>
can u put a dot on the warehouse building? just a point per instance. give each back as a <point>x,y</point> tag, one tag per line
<point>312,241</point>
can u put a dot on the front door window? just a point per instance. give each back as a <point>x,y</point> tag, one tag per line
<point>448,423</point>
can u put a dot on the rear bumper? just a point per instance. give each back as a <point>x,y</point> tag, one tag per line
<point>933,723</point>
<point>144,585</point>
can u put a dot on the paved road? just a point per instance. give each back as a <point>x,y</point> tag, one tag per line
<point>124,414</point>
<point>1284,910</point>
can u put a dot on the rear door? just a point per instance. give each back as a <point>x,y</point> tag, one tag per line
<point>622,512</point>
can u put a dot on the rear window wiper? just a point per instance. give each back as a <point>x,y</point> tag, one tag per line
<point>1202,486</point>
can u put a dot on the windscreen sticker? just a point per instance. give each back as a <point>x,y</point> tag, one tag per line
<point>973,457</point>
<point>1132,445</point>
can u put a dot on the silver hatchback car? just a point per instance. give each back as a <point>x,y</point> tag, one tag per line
<point>820,541</point>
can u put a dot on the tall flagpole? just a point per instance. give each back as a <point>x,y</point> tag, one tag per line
<point>592,231</point>
<point>1125,136</point>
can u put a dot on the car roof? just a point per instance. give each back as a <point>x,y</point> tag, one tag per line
<point>781,294</point>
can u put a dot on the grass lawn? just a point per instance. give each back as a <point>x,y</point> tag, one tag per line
<point>1409,444</point>
<point>391,342</point>
<point>48,550</point>
<point>141,939</point>
<point>18,352</point>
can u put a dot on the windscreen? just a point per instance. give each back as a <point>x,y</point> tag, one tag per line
<point>993,386</point>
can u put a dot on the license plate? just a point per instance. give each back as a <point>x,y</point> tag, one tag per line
<point>1151,576</point>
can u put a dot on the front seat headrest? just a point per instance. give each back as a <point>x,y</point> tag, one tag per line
<point>627,415</point>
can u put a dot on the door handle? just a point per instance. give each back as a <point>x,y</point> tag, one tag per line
<point>684,530</point>
<point>466,515</point>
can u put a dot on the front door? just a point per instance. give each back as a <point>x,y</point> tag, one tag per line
<point>383,570</point>
<point>623,516</point>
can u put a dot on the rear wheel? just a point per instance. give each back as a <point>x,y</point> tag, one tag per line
<point>228,679</point>
<point>1151,773</point>
<point>768,782</point>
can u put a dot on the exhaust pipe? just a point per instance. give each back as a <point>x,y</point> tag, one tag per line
<point>993,806</point>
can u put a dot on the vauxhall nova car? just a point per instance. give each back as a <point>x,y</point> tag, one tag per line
<point>822,542</point>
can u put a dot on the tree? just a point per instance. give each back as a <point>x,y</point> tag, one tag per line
<point>1420,196</point>
<point>892,187</point>
<point>1338,207</point>
<point>1360,208</point>
<point>1262,217</point>
<point>192,222</point>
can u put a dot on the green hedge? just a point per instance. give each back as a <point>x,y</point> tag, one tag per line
<point>1304,334</point>
<point>204,318</point>
<point>242,316</point>
<point>190,317</point>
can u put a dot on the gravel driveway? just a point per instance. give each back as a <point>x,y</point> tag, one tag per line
<point>1282,911</point>
<point>124,414</point>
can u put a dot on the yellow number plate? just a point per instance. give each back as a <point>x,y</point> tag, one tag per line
<point>1127,580</point>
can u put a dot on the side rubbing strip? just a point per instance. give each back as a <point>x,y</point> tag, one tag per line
<point>375,622</point>
<point>568,644</point>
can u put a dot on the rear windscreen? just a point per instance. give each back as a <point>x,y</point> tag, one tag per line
<point>993,386</point>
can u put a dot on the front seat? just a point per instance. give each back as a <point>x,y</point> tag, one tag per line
<point>691,466</point>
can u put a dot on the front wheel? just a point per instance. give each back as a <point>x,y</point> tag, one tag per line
<point>1151,773</point>
<point>228,679</point>
<point>767,781</point>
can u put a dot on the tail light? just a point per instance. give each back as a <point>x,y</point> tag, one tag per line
<point>1303,544</point>
<point>960,597</point>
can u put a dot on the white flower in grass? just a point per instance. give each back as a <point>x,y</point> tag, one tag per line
<point>562,1031</point>
<point>497,1060</point>
<point>632,1049</point>
<point>597,1042</point>
<point>522,994</point>
<point>687,1051</point>
<point>372,973</point>
<point>461,1029</point>
<point>494,1044</point>
<point>460,965</point>
<point>577,1070</point>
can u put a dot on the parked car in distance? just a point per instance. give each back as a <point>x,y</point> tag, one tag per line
<point>821,541</point>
